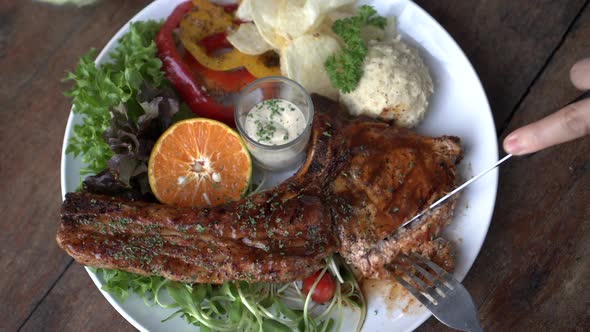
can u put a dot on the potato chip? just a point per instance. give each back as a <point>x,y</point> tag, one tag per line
<point>281,21</point>
<point>276,26</point>
<point>248,40</point>
<point>295,18</point>
<point>244,11</point>
<point>273,39</point>
<point>288,19</point>
<point>326,6</point>
<point>264,14</point>
<point>303,61</point>
<point>300,31</point>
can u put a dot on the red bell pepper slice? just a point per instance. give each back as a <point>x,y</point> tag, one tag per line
<point>228,81</point>
<point>179,74</point>
<point>215,42</point>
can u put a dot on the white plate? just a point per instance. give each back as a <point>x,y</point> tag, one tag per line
<point>459,107</point>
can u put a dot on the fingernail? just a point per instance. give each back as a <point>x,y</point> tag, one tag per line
<point>512,144</point>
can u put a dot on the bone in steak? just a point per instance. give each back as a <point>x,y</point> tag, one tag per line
<point>361,179</point>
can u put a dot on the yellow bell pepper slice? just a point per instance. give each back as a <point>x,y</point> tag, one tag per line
<point>206,19</point>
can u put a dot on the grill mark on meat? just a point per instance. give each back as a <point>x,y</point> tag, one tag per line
<point>393,175</point>
<point>357,184</point>
<point>191,246</point>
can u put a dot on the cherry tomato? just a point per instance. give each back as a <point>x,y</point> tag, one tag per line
<point>323,291</point>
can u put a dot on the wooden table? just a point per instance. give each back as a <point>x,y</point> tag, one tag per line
<point>533,272</point>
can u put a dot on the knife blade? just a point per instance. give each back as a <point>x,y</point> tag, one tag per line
<point>438,203</point>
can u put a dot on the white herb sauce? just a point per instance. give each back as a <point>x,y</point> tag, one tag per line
<point>274,122</point>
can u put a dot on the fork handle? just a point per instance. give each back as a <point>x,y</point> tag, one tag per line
<point>473,326</point>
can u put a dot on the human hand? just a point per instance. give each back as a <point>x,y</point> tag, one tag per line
<point>568,123</point>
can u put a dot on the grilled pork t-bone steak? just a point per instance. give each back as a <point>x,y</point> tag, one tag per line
<point>361,179</point>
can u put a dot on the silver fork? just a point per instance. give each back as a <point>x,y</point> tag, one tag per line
<point>444,296</point>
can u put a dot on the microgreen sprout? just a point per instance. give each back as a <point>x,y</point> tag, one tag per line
<point>246,306</point>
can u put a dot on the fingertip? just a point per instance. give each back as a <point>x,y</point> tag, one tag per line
<point>512,144</point>
<point>580,74</point>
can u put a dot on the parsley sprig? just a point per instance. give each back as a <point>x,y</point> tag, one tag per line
<point>345,69</point>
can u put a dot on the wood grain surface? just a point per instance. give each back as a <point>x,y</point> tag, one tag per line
<point>533,271</point>
<point>39,44</point>
<point>508,42</point>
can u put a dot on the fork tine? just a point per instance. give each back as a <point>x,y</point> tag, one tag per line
<point>428,291</point>
<point>434,267</point>
<point>412,276</point>
<point>423,299</point>
<point>441,274</point>
<point>450,282</point>
<point>454,308</point>
<point>418,268</point>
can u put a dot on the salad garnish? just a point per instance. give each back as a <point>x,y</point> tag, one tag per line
<point>345,69</point>
<point>131,136</point>
<point>97,90</point>
<point>242,306</point>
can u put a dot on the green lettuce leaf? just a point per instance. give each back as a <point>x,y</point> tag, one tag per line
<point>98,89</point>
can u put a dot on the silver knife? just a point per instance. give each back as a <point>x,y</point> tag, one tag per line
<point>436,204</point>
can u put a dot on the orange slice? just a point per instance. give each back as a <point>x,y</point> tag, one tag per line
<point>198,163</point>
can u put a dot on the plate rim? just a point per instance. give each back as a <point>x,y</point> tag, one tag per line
<point>421,318</point>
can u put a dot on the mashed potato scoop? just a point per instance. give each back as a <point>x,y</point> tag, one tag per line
<point>396,85</point>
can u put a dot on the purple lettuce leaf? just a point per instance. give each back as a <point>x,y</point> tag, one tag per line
<point>134,129</point>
